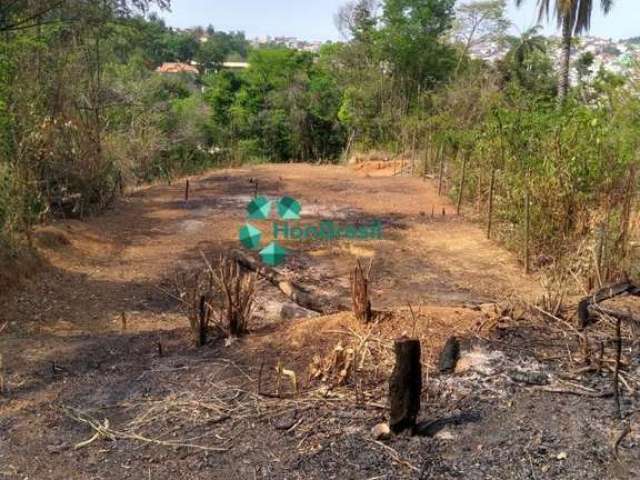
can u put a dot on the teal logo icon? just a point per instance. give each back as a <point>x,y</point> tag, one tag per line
<point>259,208</point>
<point>250,237</point>
<point>289,209</point>
<point>273,254</point>
<point>286,227</point>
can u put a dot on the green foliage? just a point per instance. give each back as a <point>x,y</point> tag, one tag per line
<point>83,113</point>
<point>282,108</point>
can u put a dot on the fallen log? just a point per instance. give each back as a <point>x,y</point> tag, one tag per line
<point>294,292</point>
<point>588,307</point>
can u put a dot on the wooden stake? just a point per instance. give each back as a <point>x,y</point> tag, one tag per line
<point>405,385</point>
<point>625,214</point>
<point>1,376</point>
<point>186,191</point>
<point>427,161</point>
<point>526,228</point>
<point>123,320</point>
<point>440,173</point>
<point>490,212</point>
<point>203,322</point>
<point>616,371</point>
<point>462,178</point>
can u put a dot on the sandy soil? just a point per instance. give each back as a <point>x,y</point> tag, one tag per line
<point>67,360</point>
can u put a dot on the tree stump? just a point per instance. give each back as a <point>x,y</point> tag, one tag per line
<point>360,294</point>
<point>204,314</point>
<point>449,355</point>
<point>405,385</point>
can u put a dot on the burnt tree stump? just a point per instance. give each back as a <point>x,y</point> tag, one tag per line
<point>204,315</point>
<point>405,385</point>
<point>449,356</point>
<point>360,294</point>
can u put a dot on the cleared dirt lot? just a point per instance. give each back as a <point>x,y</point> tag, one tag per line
<point>213,412</point>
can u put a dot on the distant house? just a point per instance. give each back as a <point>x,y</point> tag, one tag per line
<point>177,67</point>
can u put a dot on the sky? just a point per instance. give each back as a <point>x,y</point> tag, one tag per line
<point>313,19</point>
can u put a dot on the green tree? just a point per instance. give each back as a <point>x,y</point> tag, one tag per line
<point>411,41</point>
<point>479,22</point>
<point>583,65</point>
<point>528,63</point>
<point>574,17</point>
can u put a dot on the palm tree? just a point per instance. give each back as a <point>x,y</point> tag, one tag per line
<point>574,16</point>
<point>528,42</point>
<point>523,47</point>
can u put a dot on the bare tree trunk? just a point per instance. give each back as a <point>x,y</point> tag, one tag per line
<point>347,150</point>
<point>563,84</point>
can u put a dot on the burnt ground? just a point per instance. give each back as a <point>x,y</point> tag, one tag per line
<point>520,405</point>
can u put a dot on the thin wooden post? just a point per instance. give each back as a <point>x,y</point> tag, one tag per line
<point>186,191</point>
<point>526,227</point>
<point>441,157</point>
<point>490,212</point>
<point>616,370</point>
<point>479,191</point>
<point>405,385</point>
<point>413,152</point>
<point>462,178</point>
<point>203,322</point>
<point>1,376</point>
<point>427,158</point>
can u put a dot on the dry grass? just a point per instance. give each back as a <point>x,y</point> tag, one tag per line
<point>238,290</point>
<point>220,292</point>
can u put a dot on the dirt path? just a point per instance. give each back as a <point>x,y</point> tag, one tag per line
<point>65,346</point>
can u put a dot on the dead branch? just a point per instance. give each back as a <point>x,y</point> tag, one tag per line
<point>587,305</point>
<point>626,430</point>
<point>291,290</point>
<point>103,430</point>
